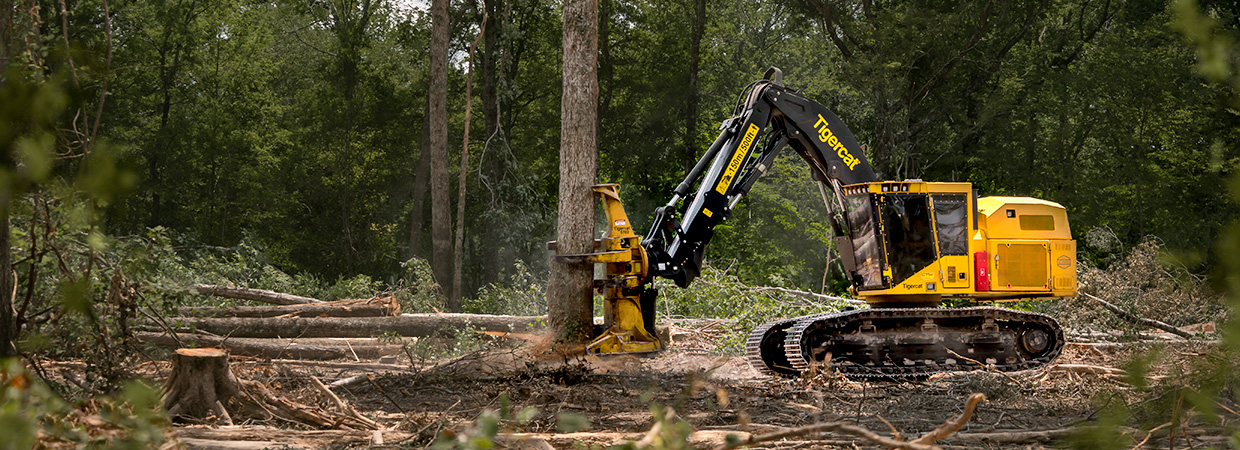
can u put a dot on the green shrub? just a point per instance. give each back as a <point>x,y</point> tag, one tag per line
<point>519,293</point>
<point>718,294</point>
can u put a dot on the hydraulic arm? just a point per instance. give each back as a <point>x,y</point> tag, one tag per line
<point>770,118</point>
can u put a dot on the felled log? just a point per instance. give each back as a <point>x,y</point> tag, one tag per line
<point>258,295</point>
<point>370,307</point>
<point>239,436</point>
<point>275,348</point>
<point>1140,320</point>
<point>403,325</point>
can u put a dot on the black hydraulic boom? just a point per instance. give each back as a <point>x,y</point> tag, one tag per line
<point>770,118</point>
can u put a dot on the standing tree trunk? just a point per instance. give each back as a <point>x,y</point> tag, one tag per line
<point>488,59</point>
<point>570,309</point>
<point>8,319</point>
<point>458,265</point>
<point>419,186</point>
<point>8,283</point>
<point>441,215</point>
<point>695,60</point>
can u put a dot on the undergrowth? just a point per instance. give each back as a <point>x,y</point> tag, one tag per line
<point>1146,281</point>
<point>719,294</point>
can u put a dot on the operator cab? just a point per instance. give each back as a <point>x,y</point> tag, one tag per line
<point>914,243</point>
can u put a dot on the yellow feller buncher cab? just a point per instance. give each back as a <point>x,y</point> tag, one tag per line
<point>919,242</point>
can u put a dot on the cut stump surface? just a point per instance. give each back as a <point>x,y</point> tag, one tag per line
<point>200,385</point>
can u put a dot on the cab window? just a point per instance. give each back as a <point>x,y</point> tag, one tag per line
<point>866,248</point>
<point>950,218</point>
<point>909,236</point>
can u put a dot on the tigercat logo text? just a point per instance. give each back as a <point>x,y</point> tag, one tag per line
<point>825,135</point>
<point>912,286</point>
<point>737,158</point>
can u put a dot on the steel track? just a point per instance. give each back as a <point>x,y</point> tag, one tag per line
<point>798,359</point>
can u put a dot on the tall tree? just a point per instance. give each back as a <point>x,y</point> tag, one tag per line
<point>569,305</point>
<point>441,216</point>
<point>695,62</point>
<point>175,44</point>
<point>8,321</point>
<point>419,185</point>
<point>458,265</point>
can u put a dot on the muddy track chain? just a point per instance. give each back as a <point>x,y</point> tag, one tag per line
<point>753,345</point>
<point>800,361</point>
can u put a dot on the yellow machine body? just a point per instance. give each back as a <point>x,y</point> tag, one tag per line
<point>929,241</point>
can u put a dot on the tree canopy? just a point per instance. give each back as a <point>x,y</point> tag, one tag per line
<point>296,126</point>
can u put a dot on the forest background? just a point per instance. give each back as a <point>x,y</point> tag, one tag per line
<point>287,137</point>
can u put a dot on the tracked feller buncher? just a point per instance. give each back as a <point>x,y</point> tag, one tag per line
<point>905,245</point>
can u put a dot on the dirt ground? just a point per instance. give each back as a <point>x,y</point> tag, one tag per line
<point>723,394</point>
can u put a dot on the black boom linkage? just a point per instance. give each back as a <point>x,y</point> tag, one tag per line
<point>772,117</point>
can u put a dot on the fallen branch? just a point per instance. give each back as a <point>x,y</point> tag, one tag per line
<point>1091,369</point>
<point>951,426</point>
<point>347,382</point>
<point>1140,320</point>
<point>348,410</point>
<point>807,294</point>
<point>337,365</point>
<point>1012,437</point>
<point>370,307</point>
<point>925,442</point>
<point>258,295</point>
<point>354,327</point>
<point>833,427</point>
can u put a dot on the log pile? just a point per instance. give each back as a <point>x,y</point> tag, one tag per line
<point>296,327</point>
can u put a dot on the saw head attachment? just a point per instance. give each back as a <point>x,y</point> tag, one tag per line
<point>628,304</point>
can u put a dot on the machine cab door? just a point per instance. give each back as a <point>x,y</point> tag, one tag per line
<point>909,236</point>
<point>951,226</point>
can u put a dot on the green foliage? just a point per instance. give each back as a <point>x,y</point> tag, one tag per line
<point>295,131</point>
<point>719,294</point>
<point>1191,394</point>
<point>520,293</point>
<point>1145,281</point>
<point>484,431</point>
<point>30,412</point>
<point>417,291</point>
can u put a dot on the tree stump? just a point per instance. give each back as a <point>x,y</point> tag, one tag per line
<point>199,386</point>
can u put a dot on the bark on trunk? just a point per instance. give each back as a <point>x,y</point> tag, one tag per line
<point>569,290</point>
<point>458,262</point>
<point>8,284</point>
<point>6,36</point>
<point>695,59</point>
<point>344,327</point>
<point>250,437</point>
<point>202,388</point>
<point>489,59</point>
<point>317,349</point>
<point>200,385</point>
<point>441,214</point>
<point>416,220</point>
<point>258,295</point>
<point>371,307</point>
